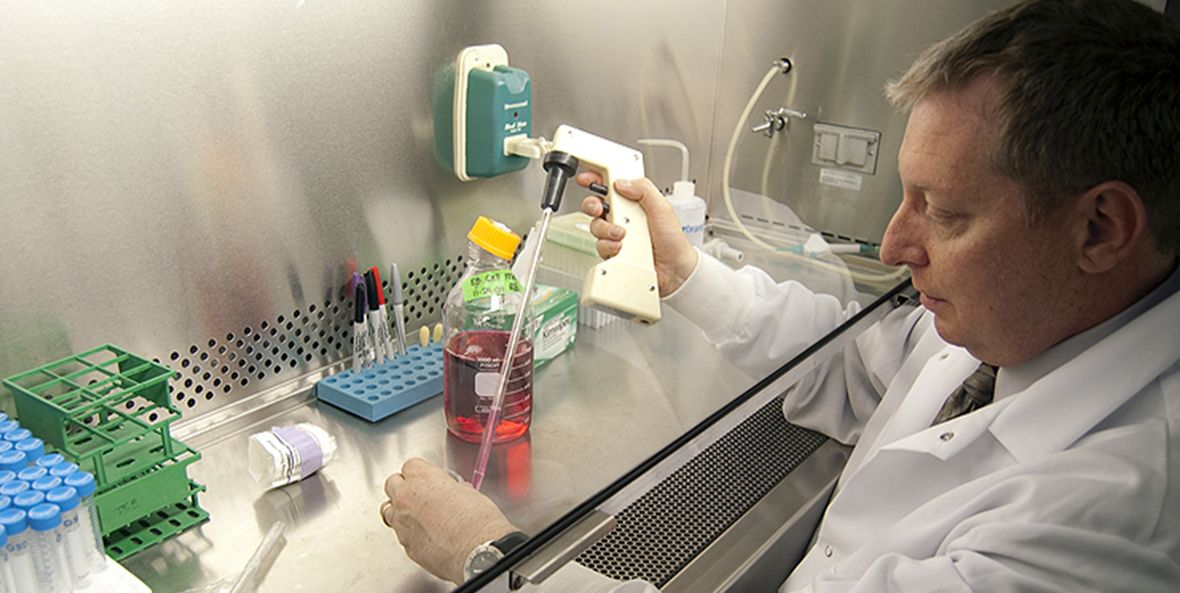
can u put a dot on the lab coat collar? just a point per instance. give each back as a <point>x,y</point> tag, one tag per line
<point>1052,413</point>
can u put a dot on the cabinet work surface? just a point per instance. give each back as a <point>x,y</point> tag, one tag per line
<point>620,394</point>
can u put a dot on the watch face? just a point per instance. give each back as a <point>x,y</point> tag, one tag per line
<point>482,559</point>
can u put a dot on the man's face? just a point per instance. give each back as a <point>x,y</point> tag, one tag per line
<point>995,283</point>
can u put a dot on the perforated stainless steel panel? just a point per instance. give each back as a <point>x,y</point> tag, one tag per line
<point>663,530</point>
<point>284,347</point>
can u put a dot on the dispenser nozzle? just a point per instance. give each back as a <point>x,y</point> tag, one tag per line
<point>560,166</point>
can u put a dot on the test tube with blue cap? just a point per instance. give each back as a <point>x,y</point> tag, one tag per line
<point>33,447</point>
<point>5,503</point>
<point>6,476</point>
<point>14,487</point>
<point>63,469</point>
<point>18,435</point>
<point>46,483</point>
<point>31,473</point>
<point>21,575</point>
<point>13,460</point>
<point>28,499</point>
<point>49,558</point>
<point>84,484</point>
<point>7,426</point>
<point>77,541</point>
<point>3,560</point>
<point>49,460</point>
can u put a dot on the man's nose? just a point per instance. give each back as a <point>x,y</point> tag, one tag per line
<point>901,245</point>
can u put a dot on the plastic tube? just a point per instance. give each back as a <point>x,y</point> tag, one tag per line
<point>63,469</point>
<point>259,564</point>
<point>33,447</point>
<point>49,460</point>
<point>49,556</point>
<point>32,473</point>
<point>5,577</point>
<point>13,460</point>
<point>83,483</point>
<point>22,576</point>
<point>46,483</point>
<point>76,540</point>
<point>28,499</point>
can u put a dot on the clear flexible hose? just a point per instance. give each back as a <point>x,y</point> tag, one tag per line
<point>897,274</point>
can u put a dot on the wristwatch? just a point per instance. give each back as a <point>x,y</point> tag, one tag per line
<point>488,553</point>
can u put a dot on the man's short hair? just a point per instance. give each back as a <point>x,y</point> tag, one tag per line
<point>1088,91</point>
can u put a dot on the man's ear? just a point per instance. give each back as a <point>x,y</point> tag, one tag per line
<point>1115,223</point>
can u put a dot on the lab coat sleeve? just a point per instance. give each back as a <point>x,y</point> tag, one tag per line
<point>759,324</point>
<point>1098,517</point>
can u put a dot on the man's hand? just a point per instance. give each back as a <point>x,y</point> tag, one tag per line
<point>675,258</point>
<point>438,519</point>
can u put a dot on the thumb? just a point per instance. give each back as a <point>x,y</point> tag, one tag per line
<point>643,191</point>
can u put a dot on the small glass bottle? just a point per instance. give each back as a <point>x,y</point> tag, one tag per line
<point>83,482</point>
<point>21,575</point>
<point>477,321</point>
<point>49,553</point>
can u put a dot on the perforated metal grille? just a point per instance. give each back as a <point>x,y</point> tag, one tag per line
<point>663,530</point>
<point>282,348</point>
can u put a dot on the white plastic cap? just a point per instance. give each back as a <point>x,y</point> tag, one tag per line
<point>684,189</point>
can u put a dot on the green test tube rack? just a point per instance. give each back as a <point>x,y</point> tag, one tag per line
<point>109,411</point>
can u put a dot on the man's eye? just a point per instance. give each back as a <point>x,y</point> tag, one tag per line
<point>942,215</point>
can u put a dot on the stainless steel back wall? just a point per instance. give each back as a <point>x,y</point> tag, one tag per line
<point>195,181</point>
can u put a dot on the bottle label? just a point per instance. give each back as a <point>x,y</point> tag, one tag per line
<point>493,283</point>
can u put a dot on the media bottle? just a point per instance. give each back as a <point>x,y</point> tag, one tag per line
<point>477,320</point>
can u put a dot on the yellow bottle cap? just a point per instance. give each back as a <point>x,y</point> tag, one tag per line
<point>494,237</point>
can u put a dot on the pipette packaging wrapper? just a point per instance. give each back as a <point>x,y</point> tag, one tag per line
<point>286,454</point>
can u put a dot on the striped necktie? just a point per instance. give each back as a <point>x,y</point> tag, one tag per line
<point>975,392</point>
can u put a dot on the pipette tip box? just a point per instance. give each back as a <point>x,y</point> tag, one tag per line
<point>387,388</point>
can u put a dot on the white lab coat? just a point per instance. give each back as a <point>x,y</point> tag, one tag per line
<point>1069,481</point>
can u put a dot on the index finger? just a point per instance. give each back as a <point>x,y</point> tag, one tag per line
<point>416,467</point>
<point>585,178</point>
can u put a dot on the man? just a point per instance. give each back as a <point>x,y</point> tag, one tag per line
<point>1039,221</point>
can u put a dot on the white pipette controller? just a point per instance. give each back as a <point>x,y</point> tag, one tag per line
<point>625,284</point>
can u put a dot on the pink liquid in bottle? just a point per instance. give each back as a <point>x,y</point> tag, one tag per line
<point>471,373</point>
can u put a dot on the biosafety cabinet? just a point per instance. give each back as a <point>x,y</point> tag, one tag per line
<point>197,183</point>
